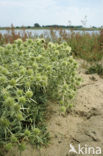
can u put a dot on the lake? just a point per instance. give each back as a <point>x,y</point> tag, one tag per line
<point>39,32</point>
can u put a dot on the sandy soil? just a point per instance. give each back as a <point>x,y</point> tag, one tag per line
<point>83,125</point>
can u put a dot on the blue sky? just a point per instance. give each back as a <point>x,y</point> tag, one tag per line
<point>28,12</point>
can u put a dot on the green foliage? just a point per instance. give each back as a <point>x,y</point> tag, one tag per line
<point>31,73</point>
<point>98,68</point>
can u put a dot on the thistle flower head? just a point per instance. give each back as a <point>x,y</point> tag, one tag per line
<point>63,109</point>
<point>1,49</point>
<point>3,79</point>
<point>22,147</point>
<point>29,72</point>
<point>36,131</point>
<point>9,102</point>
<point>13,82</point>
<point>35,66</point>
<point>8,146</point>
<point>19,116</point>
<point>27,133</point>
<point>18,42</point>
<point>16,107</point>
<point>8,46</point>
<point>13,138</point>
<point>29,41</point>
<point>29,94</point>
<point>22,100</point>
<point>4,123</point>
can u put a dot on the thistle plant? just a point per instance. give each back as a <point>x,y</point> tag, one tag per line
<point>31,74</point>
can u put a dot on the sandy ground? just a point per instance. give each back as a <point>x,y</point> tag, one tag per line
<point>83,125</point>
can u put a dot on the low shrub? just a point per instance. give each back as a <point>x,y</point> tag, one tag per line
<point>31,73</point>
<point>98,68</point>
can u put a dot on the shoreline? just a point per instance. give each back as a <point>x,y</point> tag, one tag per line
<point>51,28</point>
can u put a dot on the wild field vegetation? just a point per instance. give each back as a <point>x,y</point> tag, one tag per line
<point>32,73</point>
<point>84,45</point>
<point>97,68</point>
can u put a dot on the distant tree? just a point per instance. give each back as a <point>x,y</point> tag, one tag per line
<point>36,25</point>
<point>79,26</point>
<point>28,26</point>
<point>17,27</point>
<point>94,27</point>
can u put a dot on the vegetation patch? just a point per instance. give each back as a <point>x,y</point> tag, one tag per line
<point>98,68</point>
<point>31,73</point>
<point>85,45</point>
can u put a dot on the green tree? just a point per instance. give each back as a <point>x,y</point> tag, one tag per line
<point>36,25</point>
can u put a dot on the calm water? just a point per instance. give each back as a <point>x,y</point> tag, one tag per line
<point>42,31</point>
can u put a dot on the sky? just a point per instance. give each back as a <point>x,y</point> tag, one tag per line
<point>47,12</point>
